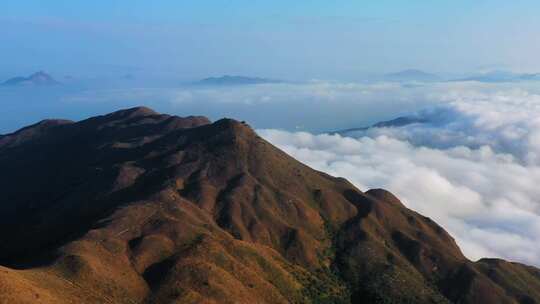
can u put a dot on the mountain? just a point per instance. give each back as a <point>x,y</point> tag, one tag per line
<point>141,207</point>
<point>37,79</point>
<point>228,80</point>
<point>412,75</point>
<point>534,76</point>
<point>393,123</point>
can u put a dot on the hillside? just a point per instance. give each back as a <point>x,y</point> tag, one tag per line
<point>141,207</point>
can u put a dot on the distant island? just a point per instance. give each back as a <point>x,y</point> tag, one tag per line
<point>37,79</point>
<point>393,123</point>
<point>230,80</point>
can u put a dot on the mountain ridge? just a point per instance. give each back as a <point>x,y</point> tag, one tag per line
<point>397,122</point>
<point>141,207</point>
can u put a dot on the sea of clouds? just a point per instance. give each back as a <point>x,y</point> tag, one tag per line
<point>474,166</point>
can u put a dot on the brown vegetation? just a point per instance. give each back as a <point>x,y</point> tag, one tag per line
<point>138,207</point>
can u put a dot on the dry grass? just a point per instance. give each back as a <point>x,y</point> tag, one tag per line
<point>145,208</point>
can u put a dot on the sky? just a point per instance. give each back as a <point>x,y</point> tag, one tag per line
<point>296,40</point>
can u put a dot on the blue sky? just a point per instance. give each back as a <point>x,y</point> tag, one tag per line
<point>285,39</point>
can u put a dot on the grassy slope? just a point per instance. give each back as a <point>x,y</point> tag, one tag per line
<point>164,213</point>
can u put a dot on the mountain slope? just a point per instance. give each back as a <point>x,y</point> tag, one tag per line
<point>138,207</point>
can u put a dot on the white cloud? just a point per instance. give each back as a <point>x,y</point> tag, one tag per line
<point>475,171</point>
<point>506,119</point>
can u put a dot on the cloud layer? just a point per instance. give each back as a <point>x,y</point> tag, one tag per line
<point>316,106</point>
<point>474,168</point>
<point>506,121</point>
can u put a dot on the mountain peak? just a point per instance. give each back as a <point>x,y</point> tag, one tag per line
<point>232,124</point>
<point>134,112</point>
<point>39,78</point>
<point>384,195</point>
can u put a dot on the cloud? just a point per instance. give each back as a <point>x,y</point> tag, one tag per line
<point>474,168</point>
<point>314,91</point>
<point>316,105</point>
<point>507,121</point>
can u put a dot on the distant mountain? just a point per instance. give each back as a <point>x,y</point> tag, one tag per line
<point>37,79</point>
<point>501,76</point>
<point>530,76</point>
<point>228,80</point>
<point>412,75</point>
<point>393,123</point>
<point>138,207</point>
